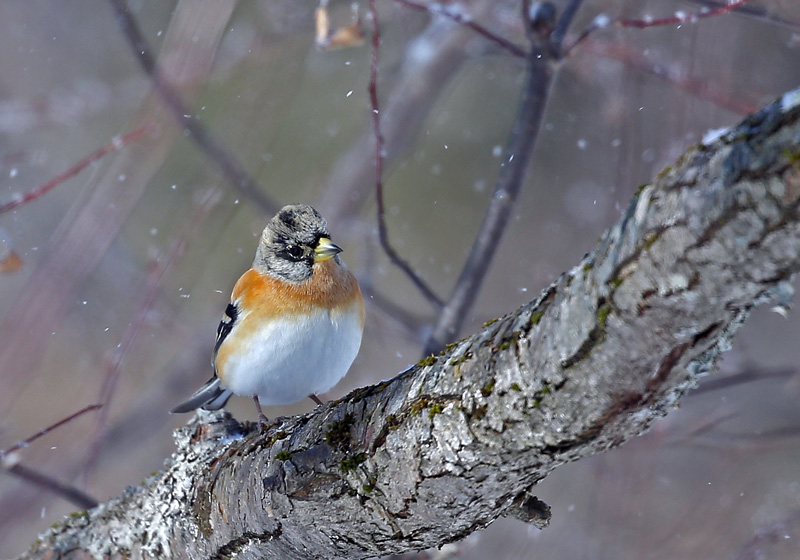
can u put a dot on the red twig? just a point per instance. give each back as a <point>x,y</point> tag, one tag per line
<point>756,13</point>
<point>380,155</point>
<point>26,442</point>
<point>700,87</point>
<point>681,17</point>
<point>117,143</point>
<point>455,15</point>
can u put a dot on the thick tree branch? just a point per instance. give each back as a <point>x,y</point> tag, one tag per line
<point>451,444</point>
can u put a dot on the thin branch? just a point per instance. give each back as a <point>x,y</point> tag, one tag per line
<point>518,152</point>
<point>233,170</point>
<point>116,144</point>
<point>69,493</point>
<point>740,378</point>
<point>703,88</point>
<point>455,15</point>
<point>414,325</point>
<point>380,154</point>
<point>26,442</point>
<point>602,21</point>
<point>754,12</point>
<point>10,463</point>
<point>560,32</point>
<point>682,17</point>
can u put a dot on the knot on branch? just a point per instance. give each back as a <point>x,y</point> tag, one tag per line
<point>529,509</point>
<point>540,19</point>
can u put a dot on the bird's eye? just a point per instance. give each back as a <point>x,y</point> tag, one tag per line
<point>295,252</point>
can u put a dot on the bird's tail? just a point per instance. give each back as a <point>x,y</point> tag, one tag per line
<point>210,396</point>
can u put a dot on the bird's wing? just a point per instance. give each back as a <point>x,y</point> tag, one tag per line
<point>224,328</point>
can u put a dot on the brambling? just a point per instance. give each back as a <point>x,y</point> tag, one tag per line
<point>294,323</point>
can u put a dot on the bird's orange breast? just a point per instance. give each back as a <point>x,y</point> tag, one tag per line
<point>331,286</point>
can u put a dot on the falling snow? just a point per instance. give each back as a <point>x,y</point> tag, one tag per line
<point>602,20</point>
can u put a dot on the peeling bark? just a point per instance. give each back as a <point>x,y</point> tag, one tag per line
<point>451,444</point>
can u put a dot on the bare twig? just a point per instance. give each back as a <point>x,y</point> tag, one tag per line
<point>383,235</point>
<point>740,378</point>
<point>69,493</point>
<point>233,170</point>
<point>418,85</point>
<point>682,17</point>
<point>754,12</point>
<point>703,88</point>
<point>602,21</point>
<point>458,17</point>
<point>557,39</point>
<point>509,183</point>
<point>415,325</point>
<point>11,464</point>
<point>116,144</point>
<point>26,442</point>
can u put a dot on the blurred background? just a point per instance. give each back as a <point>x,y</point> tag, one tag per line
<point>114,281</point>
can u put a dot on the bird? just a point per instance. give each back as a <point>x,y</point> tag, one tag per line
<point>294,323</point>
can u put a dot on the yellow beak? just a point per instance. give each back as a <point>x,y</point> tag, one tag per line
<point>325,250</point>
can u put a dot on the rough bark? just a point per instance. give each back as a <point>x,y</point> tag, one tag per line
<point>460,439</point>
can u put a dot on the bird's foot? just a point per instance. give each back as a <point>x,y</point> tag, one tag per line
<point>262,418</point>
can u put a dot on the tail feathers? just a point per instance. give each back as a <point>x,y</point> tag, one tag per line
<point>210,396</point>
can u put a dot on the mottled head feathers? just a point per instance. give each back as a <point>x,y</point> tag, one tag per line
<point>292,242</point>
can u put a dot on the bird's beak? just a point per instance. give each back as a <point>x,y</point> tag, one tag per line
<point>325,250</point>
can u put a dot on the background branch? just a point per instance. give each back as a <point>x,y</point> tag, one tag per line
<point>516,158</point>
<point>87,229</point>
<point>383,235</point>
<point>227,162</point>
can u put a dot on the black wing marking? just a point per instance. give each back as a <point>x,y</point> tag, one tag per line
<point>225,326</point>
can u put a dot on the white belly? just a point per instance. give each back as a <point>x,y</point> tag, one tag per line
<point>290,360</point>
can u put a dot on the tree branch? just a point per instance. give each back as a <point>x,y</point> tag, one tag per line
<point>380,156</point>
<point>544,50</point>
<point>451,444</point>
<point>224,159</point>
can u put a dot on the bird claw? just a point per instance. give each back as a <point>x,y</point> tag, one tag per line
<point>262,418</point>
